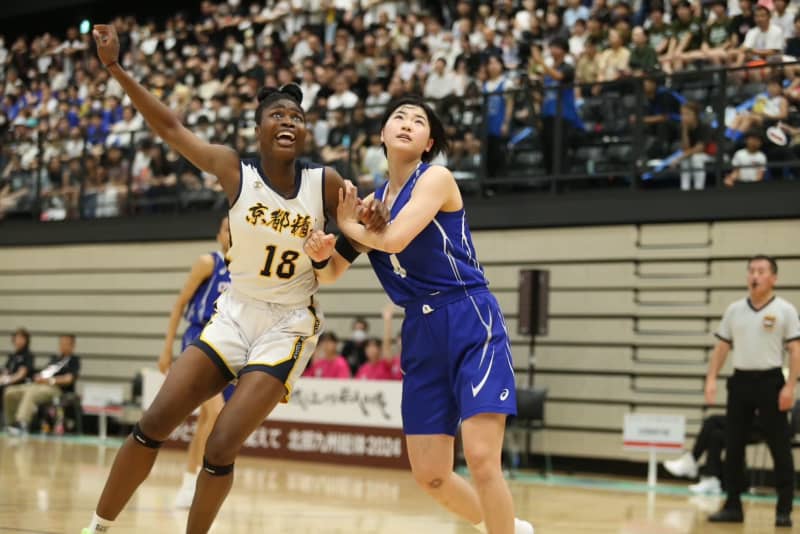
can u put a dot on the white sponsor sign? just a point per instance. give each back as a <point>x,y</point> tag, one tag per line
<point>644,432</point>
<point>368,403</point>
<point>97,395</point>
<point>329,401</point>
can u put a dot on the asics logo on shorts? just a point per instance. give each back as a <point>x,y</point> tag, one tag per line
<point>426,309</point>
<point>504,394</point>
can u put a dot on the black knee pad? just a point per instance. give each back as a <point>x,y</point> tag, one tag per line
<point>217,470</point>
<point>143,440</point>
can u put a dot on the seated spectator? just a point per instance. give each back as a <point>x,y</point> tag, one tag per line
<point>577,41</point>
<point>326,362</point>
<point>587,69</point>
<point>336,151</point>
<point>711,443</point>
<point>659,33</point>
<point>749,163</point>
<point>660,108</point>
<point>376,100</point>
<point>719,41</point>
<point>695,140</point>
<point>440,82</point>
<point>21,401</point>
<point>575,11</point>
<point>643,57</point>
<point>19,365</point>
<point>742,22</point>
<point>765,41</point>
<point>374,166</point>
<point>783,18</point>
<point>376,367</point>
<point>353,348</point>
<point>687,36</point>
<point>767,111</point>
<point>614,62</point>
<point>793,43</point>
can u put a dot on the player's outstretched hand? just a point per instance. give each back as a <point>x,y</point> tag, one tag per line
<point>348,209</point>
<point>374,215</point>
<point>107,43</point>
<point>319,245</point>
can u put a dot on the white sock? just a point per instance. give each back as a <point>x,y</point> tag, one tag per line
<point>189,479</point>
<point>480,527</point>
<point>100,525</point>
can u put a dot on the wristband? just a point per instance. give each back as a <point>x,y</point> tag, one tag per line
<point>320,264</point>
<point>346,249</point>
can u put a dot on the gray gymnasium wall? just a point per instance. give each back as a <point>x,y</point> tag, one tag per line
<point>633,309</point>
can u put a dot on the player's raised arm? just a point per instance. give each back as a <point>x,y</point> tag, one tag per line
<point>221,161</point>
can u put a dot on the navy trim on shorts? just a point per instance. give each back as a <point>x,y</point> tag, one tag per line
<point>280,371</point>
<point>216,358</point>
<point>795,338</point>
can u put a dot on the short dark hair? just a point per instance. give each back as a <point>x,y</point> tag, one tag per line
<point>327,336</point>
<point>438,133</point>
<point>362,320</point>
<point>24,333</point>
<point>560,42</point>
<point>773,265</point>
<point>269,95</point>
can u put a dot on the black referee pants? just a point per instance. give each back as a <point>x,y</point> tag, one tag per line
<point>750,392</point>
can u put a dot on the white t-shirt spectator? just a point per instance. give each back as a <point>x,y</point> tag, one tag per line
<point>750,164</point>
<point>785,22</point>
<point>309,94</point>
<point>439,86</point>
<point>375,105</point>
<point>345,100</point>
<point>772,39</point>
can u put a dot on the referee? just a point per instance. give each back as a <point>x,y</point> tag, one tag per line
<point>757,329</point>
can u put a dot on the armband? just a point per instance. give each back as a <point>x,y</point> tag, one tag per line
<point>346,249</point>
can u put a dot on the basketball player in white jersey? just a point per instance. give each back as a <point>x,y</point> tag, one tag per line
<point>265,326</point>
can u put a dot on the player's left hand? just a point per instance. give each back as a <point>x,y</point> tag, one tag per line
<point>786,398</point>
<point>348,208</point>
<point>319,245</point>
<point>374,215</point>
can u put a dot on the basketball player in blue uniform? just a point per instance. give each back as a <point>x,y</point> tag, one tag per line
<point>456,355</point>
<point>265,326</point>
<point>207,280</point>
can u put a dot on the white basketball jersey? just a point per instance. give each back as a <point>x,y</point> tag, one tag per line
<point>268,230</point>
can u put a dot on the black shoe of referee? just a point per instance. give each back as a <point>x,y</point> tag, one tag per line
<point>727,515</point>
<point>783,520</point>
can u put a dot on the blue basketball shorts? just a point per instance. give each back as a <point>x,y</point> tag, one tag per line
<point>457,362</point>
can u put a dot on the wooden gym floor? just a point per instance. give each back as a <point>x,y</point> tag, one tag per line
<point>51,486</point>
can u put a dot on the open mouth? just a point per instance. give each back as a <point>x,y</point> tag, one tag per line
<point>404,137</point>
<point>285,138</point>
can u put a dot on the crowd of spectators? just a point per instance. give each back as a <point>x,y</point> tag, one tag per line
<point>74,147</point>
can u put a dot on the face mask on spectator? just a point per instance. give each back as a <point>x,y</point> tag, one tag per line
<point>358,336</point>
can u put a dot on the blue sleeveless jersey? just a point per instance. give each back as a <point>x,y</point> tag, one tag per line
<point>439,260</point>
<point>201,306</point>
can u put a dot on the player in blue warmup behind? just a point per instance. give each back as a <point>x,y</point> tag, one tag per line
<point>456,356</point>
<point>208,278</point>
